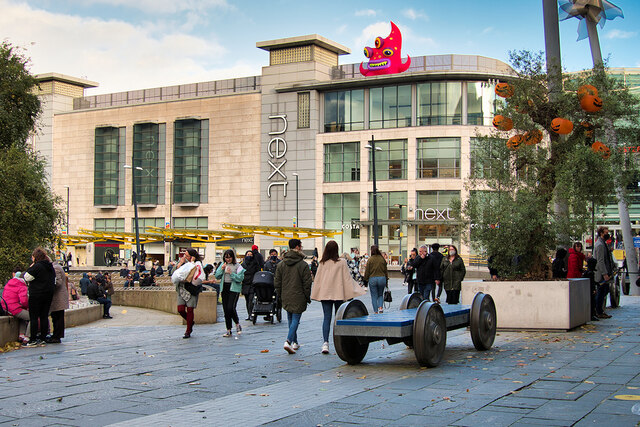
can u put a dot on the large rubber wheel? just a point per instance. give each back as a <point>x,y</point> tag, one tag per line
<point>429,334</point>
<point>483,321</point>
<point>349,348</point>
<point>614,293</point>
<point>410,301</point>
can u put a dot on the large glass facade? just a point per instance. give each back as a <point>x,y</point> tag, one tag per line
<point>392,228</point>
<point>143,223</point>
<point>189,156</point>
<point>109,224</point>
<point>342,162</point>
<point>433,207</point>
<point>342,212</point>
<point>390,107</point>
<point>438,158</point>
<point>191,223</point>
<point>344,110</point>
<point>481,103</point>
<point>148,153</point>
<point>106,168</point>
<point>439,103</point>
<point>391,160</point>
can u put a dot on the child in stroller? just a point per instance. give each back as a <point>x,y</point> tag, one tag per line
<point>265,300</point>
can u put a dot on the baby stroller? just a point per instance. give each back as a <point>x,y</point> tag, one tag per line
<point>265,300</point>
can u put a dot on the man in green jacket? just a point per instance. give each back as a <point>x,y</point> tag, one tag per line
<point>293,286</point>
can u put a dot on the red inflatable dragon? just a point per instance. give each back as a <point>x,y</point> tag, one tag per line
<point>385,58</point>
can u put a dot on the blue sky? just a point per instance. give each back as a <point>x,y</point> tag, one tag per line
<point>133,44</point>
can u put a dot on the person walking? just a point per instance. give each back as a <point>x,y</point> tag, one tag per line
<point>453,272</point>
<point>377,276</point>
<point>272,263</point>
<point>251,266</point>
<point>333,285</point>
<point>189,269</point>
<point>604,270</point>
<point>293,284</point>
<point>408,271</point>
<point>59,304</point>
<point>576,261</point>
<point>231,274</point>
<point>41,279</point>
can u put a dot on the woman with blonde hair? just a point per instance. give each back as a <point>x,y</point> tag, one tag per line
<point>332,286</point>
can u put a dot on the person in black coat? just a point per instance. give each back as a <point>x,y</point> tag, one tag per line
<point>437,279</point>
<point>427,271</point>
<point>258,256</point>
<point>251,266</point>
<point>41,280</point>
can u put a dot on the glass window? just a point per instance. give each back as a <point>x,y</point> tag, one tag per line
<point>438,158</point>
<point>439,103</point>
<point>342,212</point>
<point>109,224</point>
<point>342,162</point>
<point>390,107</point>
<point>143,223</point>
<point>481,103</point>
<point>391,160</point>
<point>304,106</point>
<point>106,166</point>
<point>191,223</point>
<point>391,205</point>
<point>344,110</point>
<point>187,161</point>
<point>146,154</point>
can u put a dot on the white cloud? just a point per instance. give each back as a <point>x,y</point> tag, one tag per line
<point>414,14</point>
<point>118,55</point>
<point>382,29</point>
<point>487,30</point>
<point>619,34</point>
<point>164,6</point>
<point>365,12</point>
<point>369,34</point>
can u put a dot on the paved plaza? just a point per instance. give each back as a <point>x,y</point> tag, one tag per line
<point>136,370</point>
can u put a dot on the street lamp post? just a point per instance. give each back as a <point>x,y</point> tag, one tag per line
<point>400,205</point>
<point>297,204</point>
<point>170,181</point>
<point>373,148</point>
<point>135,204</point>
<point>68,231</point>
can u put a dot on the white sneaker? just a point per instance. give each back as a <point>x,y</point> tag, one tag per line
<point>295,346</point>
<point>325,348</point>
<point>288,348</point>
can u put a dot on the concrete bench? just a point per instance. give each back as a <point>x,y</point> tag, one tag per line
<point>164,299</point>
<point>419,324</point>
<point>552,304</point>
<point>75,315</point>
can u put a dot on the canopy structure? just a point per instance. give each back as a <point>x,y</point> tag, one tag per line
<point>208,236</point>
<point>67,240</point>
<point>121,236</point>
<point>283,232</point>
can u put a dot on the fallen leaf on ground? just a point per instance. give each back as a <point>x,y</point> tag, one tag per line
<point>361,378</point>
<point>194,383</point>
<point>264,394</point>
<point>264,351</point>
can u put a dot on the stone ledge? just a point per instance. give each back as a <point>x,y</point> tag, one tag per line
<point>165,299</point>
<point>554,304</point>
<point>10,326</point>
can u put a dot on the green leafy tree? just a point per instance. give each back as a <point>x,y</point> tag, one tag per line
<point>29,215</point>
<point>515,193</point>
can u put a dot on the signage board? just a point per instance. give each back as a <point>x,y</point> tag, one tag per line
<point>636,242</point>
<point>281,243</point>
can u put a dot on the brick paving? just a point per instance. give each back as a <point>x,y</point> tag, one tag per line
<point>137,370</point>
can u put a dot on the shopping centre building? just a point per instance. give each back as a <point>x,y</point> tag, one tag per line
<point>290,146</point>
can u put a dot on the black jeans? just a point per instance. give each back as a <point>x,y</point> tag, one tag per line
<point>603,290</point>
<point>39,314</point>
<point>106,305</point>
<point>229,302</point>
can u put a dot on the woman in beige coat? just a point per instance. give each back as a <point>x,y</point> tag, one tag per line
<point>332,286</point>
<point>59,304</point>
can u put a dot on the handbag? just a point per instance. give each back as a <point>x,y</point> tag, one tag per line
<point>74,294</point>
<point>386,296</point>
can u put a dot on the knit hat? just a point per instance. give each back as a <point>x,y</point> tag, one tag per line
<point>254,247</point>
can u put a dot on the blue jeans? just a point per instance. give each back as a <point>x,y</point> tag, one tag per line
<point>376,287</point>
<point>425,290</point>
<point>327,305</point>
<point>294,321</point>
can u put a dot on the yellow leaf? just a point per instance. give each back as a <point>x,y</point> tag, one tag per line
<point>362,377</point>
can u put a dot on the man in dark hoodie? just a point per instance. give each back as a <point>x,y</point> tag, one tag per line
<point>41,279</point>
<point>258,255</point>
<point>84,283</point>
<point>293,285</point>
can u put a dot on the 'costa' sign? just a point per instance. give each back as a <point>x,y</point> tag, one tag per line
<point>276,149</point>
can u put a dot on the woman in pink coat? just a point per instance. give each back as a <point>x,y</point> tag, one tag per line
<point>16,294</point>
<point>332,286</point>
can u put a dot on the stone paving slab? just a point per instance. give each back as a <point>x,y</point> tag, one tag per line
<point>142,374</point>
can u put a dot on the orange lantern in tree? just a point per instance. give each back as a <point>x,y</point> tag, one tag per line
<point>502,123</point>
<point>504,90</point>
<point>532,137</point>
<point>599,148</point>
<point>591,103</point>
<point>587,90</point>
<point>514,142</point>
<point>561,126</point>
<point>588,129</point>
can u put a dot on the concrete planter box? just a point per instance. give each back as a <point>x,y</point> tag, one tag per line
<point>165,299</point>
<point>557,304</point>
